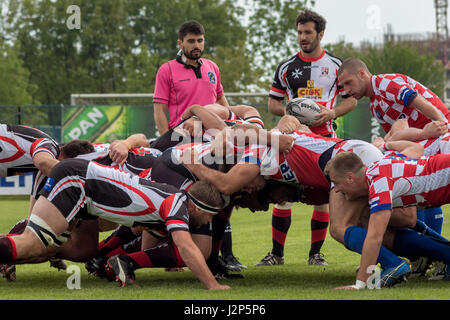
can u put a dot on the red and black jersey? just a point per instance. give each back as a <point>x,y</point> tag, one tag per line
<point>309,78</point>
<point>19,144</point>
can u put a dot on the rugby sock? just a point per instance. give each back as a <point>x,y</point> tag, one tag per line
<point>281,222</point>
<point>133,246</point>
<point>423,228</point>
<point>227,248</point>
<point>354,240</point>
<point>434,218</point>
<point>319,228</point>
<point>19,227</point>
<point>219,223</point>
<point>162,256</point>
<point>412,245</point>
<point>119,237</point>
<point>7,250</point>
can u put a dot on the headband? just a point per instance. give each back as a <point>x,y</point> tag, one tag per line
<point>203,206</point>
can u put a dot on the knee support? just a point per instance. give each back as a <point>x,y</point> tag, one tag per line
<point>43,231</point>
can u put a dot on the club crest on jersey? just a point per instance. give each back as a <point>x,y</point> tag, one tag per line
<point>324,71</point>
<point>212,77</point>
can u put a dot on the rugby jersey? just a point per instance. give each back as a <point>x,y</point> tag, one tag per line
<point>397,181</point>
<point>19,144</point>
<point>310,78</point>
<point>305,163</point>
<point>393,94</point>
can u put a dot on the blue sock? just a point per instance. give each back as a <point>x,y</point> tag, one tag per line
<point>423,228</point>
<point>354,240</point>
<point>434,218</point>
<point>412,245</point>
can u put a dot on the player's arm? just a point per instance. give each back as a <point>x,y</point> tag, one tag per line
<point>425,107</point>
<point>408,148</point>
<point>194,260</point>
<point>244,111</point>
<point>431,130</point>
<point>289,124</point>
<point>244,133</point>
<point>44,162</point>
<point>159,113</point>
<point>222,100</point>
<point>346,105</point>
<point>378,223</point>
<point>276,106</point>
<point>209,119</point>
<point>119,148</point>
<point>227,183</point>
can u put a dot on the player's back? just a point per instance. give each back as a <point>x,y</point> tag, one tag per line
<point>19,144</point>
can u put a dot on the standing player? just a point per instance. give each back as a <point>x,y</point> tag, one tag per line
<point>186,80</point>
<point>392,96</point>
<point>312,73</point>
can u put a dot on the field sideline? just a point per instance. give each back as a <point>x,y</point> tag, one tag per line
<point>251,241</point>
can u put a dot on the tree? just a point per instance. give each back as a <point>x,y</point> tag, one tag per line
<point>397,58</point>
<point>272,31</point>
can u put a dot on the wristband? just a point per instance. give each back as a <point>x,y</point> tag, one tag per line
<point>359,285</point>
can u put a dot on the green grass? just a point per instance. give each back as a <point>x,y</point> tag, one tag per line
<point>251,241</point>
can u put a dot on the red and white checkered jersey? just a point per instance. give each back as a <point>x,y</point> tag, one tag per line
<point>397,181</point>
<point>440,145</point>
<point>19,144</point>
<point>392,96</point>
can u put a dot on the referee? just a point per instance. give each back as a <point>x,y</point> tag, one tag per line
<point>186,80</point>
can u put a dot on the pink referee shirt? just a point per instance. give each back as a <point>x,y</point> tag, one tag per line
<point>180,86</point>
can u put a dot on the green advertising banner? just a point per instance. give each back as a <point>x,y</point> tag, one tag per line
<point>105,123</point>
<point>359,124</point>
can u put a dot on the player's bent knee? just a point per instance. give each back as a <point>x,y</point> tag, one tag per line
<point>44,232</point>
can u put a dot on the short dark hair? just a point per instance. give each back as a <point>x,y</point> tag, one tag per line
<point>311,16</point>
<point>192,26</point>
<point>74,148</point>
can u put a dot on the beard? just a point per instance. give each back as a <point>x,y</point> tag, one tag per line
<point>193,54</point>
<point>311,46</point>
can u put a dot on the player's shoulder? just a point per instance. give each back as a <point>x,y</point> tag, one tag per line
<point>332,58</point>
<point>288,60</point>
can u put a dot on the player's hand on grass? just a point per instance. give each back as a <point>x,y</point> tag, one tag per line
<point>219,287</point>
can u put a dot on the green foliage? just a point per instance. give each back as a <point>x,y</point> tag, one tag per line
<point>397,58</point>
<point>15,88</point>
<point>121,44</point>
<point>272,31</point>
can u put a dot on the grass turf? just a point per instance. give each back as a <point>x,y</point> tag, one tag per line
<point>295,280</point>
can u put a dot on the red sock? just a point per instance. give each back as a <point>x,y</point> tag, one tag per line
<point>319,228</point>
<point>281,222</point>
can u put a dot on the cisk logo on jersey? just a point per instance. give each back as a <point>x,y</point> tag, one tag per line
<point>310,91</point>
